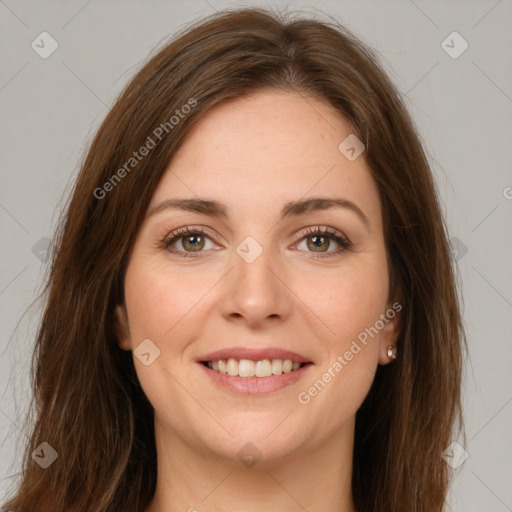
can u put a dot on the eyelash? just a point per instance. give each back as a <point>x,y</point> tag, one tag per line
<point>343,241</point>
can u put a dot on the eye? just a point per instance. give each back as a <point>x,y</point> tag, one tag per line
<point>190,241</point>
<point>318,239</point>
<point>187,241</point>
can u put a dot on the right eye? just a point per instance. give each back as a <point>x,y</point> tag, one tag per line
<point>192,240</point>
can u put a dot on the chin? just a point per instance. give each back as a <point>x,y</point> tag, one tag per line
<point>258,440</point>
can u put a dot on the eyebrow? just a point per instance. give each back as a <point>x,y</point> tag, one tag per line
<point>293,208</point>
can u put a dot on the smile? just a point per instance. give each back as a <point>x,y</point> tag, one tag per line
<point>254,371</point>
<point>248,368</point>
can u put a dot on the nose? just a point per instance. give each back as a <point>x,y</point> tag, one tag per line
<point>255,292</point>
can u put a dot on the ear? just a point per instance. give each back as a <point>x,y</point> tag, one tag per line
<point>390,332</point>
<point>121,328</point>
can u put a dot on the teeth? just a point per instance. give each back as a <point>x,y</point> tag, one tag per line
<point>223,367</point>
<point>232,367</point>
<point>277,366</point>
<point>248,368</point>
<point>262,368</point>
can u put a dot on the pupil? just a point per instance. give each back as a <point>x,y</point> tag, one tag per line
<point>317,241</point>
<point>193,241</point>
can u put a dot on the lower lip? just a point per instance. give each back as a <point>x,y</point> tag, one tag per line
<point>256,385</point>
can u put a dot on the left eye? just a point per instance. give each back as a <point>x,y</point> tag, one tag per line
<point>319,240</point>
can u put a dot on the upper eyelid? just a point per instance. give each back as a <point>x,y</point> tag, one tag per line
<point>203,230</point>
<point>327,230</point>
<point>183,231</point>
<point>178,233</point>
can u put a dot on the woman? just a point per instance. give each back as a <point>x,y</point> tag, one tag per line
<point>251,304</point>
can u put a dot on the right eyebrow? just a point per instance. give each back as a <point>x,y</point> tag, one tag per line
<point>204,206</point>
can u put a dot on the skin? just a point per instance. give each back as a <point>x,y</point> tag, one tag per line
<point>254,155</point>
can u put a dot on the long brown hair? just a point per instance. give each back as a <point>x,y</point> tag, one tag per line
<point>88,403</point>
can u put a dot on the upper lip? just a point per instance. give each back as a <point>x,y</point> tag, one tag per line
<point>254,354</point>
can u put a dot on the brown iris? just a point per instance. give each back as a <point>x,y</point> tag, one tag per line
<point>193,243</point>
<point>316,242</point>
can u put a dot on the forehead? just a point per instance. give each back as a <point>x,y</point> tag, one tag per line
<point>269,147</point>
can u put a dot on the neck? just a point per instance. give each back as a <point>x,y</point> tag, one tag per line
<point>314,478</point>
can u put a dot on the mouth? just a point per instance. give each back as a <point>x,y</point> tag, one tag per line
<point>254,372</point>
<point>248,368</point>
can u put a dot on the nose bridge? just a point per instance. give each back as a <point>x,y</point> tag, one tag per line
<point>254,292</point>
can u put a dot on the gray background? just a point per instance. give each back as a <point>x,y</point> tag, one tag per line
<point>51,107</point>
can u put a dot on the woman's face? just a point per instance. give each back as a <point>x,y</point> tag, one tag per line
<point>271,270</point>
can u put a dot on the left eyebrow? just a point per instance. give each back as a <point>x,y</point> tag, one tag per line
<point>293,208</point>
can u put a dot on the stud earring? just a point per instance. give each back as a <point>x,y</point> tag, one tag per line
<point>392,351</point>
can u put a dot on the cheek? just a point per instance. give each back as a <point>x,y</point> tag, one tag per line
<point>164,306</point>
<point>348,301</point>
<point>159,300</point>
<point>350,304</point>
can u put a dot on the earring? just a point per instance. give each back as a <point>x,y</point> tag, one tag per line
<point>392,351</point>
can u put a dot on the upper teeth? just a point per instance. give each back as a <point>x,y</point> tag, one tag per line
<point>248,368</point>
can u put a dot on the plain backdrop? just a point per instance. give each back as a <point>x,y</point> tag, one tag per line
<point>461,102</point>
